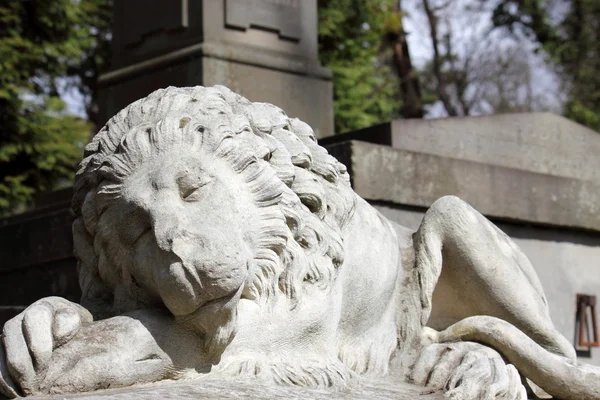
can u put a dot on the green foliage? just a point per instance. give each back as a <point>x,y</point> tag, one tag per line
<point>572,44</point>
<point>39,144</point>
<point>96,16</point>
<point>366,91</point>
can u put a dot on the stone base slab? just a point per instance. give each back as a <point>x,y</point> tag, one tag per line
<point>210,388</point>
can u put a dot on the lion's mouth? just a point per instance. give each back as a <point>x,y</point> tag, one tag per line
<point>210,309</point>
<point>188,291</point>
<point>215,320</point>
<point>216,304</point>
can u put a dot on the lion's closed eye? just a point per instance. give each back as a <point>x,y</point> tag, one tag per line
<point>189,187</point>
<point>187,192</point>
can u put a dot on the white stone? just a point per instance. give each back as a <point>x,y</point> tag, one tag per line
<point>216,238</point>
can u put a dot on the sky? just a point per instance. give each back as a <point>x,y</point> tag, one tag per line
<point>72,98</point>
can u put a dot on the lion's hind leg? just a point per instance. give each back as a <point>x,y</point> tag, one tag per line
<point>467,266</point>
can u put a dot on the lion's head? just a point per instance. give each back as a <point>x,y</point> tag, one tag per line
<point>196,197</point>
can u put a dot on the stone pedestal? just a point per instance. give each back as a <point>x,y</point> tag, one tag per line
<point>213,388</point>
<point>266,50</point>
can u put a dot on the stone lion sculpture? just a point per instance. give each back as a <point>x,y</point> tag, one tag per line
<point>215,236</point>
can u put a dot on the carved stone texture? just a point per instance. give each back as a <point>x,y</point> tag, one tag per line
<point>236,388</point>
<point>216,238</point>
<point>246,45</point>
<point>282,16</point>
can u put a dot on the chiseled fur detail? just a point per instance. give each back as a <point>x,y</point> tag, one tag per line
<point>303,194</point>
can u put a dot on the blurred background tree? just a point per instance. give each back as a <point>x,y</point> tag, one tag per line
<point>470,67</point>
<point>42,42</point>
<point>568,32</point>
<point>365,88</point>
<point>96,18</point>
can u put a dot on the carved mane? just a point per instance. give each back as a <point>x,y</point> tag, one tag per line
<point>302,192</point>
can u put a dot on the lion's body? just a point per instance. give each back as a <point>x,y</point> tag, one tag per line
<point>214,235</point>
<point>271,258</point>
<point>367,339</point>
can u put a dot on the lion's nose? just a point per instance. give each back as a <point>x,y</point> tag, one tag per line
<point>165,229</point>
<point>174,239</point>
<point>164,239</point>
<point>164,220</point>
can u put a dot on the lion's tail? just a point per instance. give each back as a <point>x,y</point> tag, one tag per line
<point>555,374</point>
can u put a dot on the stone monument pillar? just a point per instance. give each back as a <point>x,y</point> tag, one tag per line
<point>266,50</point>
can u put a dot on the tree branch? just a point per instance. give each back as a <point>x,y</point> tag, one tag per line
<point>437,60</point>
<point>410,88</point>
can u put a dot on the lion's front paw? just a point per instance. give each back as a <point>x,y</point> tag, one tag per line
<point>467,371</point>
<point>31,338</point>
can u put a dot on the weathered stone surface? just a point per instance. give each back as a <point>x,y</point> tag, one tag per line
<point>418,179</point>
<point>541,143</point>
<point>287,28</point>
<point>565,260</point>
<point>250,389</point>
<point>265,49</point>
<point>545,190</point>
<point>306,98</point>
<point>282,16</point>
<point>216,238</point>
